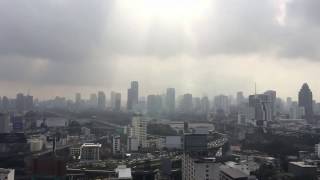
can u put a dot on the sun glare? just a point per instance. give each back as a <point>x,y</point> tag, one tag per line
<point>168,10</point>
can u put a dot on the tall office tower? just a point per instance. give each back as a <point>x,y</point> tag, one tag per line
<point>222,103</point>
<point>133,95</point>
<point>196,101</point>
<point>93,101</point>
<point>20,102</point>
<point>273,98</point>
<point>240,98</point>
<point>154,105</point>
<point>171,100</point>
<point>262,108</point>
<point>5,103</point>
<point>4,123</point>
<point>205,105</point>
<point>139,129</point>
<point>101,100</point>
<point>28,102</point>
<point>296,111</point>
<point>186,105</point>
<point>0,103</point>
<point>115,101</point>
<point>305,100</point>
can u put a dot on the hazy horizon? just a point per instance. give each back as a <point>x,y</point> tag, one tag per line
<point>205,47</point>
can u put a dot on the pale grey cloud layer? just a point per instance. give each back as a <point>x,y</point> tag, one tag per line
<point>104,44</point>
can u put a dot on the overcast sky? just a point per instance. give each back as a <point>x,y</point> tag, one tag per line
<point>205,47</point>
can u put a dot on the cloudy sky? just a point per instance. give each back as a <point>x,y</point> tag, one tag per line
<point>59,47</point>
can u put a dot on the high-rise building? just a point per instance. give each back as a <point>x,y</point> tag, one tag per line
<point>222,103</point>
<point>133,95</point>
<point>240,98</point>
<point>28,102</point>
<point>196,101</point>
<point>205,105</point>
<point>273,97</point>
<point>93,101</point>
<point>305,100</point>
<point>116,145</point>
<point>262,107</point>
<point>20,102</point>
<point>4,123</point>
<point>154,104</point>
<point>5,103</point>
<point>171,100</point>
<point>139,129</point>
<point>115,101</point>
<point>101,100</point>
<point>186,104</point>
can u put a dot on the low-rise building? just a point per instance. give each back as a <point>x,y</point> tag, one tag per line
<point>6,174</point>
<point>90,152</point>
<point>303,169</point>
<point>123,172</point>
<point>229,173</point>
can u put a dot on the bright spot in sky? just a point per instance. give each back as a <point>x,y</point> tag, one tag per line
<point>167,10</point>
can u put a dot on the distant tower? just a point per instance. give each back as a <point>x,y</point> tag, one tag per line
<point>305,101</point>
<point>133,95</point>
<point>101,100</point>
<point>171,100</point>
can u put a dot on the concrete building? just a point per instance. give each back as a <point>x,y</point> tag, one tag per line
<point>115,101</point>
<point>186,104</point>
<point>132,144</point>
<point>133,95</point>
<point>173,142</point>
<point>154,105</point>
<point>305,100</point>
<point>240,98</point>
<point>6,174</point>
<point>4,123</point>
<point>75,151</point>
<point>222,103</point>
<point>229,173</point>
<point>90,152</point>
<point>139,129</point>
<point>303,170</point>
<point>170,100</point>
<point>101,100</point>
<point>116,145</point>
<point>262,106</point>
<point>272,98</point>
<point>199,167</point>
<point>205,105</point>
<point>317,150</point>
<point>123,172</point>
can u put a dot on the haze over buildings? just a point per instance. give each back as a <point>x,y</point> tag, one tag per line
<point>93,46</point>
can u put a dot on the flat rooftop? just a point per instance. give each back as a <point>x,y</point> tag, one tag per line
<point>232,172</point>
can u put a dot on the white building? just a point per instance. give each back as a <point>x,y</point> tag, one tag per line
<point>139,130</point>
<point>36,144</point>
<point>75,152</point>
<point>194,168</point>
<point>6,174</point>
<point>123,172</point>
<point>90,152</point>
<point>116,145</point>
<point>132,144</point>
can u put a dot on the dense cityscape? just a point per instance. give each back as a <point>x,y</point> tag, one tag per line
<point>167,136</point>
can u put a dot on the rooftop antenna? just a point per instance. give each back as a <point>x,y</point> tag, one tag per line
<point>255,88</point>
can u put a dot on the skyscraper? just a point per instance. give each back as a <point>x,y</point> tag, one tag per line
<point>93,101</point>
<point>133,95</point>
<point>139,129</point>
<point>101,100</point>
<point>154,104</point>
<point>171,100</point>
<point>5,103</point>
<point>305,100</point>
<point>240,98</point>
<point>115,101</point>
<point>262,108</point>
<point>272,97</point>
<point>20,102</point>
<point>205,105</point>
<point>186,105</point>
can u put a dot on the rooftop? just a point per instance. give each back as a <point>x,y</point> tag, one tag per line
<point>91,145</point>
<point>302,164</point>
<point>123,172</point>
<point>232,172</point>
